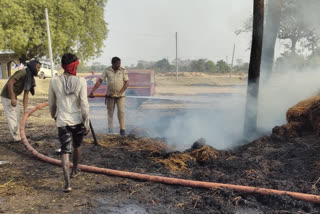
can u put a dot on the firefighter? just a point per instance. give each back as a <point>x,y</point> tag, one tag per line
<point>118,82</point>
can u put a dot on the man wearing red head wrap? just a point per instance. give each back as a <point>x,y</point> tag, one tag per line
<point>71,68</point>
<point>69,107</point>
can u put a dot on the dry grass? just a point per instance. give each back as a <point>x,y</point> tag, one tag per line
<point>189,79</point>
<point>177,162</point>
<point>141,144</point>
<point>205,153</point>
<point>300,108</point>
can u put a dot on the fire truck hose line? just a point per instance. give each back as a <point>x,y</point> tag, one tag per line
<point>160,179</point>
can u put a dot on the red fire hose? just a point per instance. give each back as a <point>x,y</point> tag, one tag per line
<point>160,179</point>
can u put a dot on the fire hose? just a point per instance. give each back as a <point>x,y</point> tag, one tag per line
<point>160,179</point>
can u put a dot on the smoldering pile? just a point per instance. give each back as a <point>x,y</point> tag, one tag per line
<point>302,118</point>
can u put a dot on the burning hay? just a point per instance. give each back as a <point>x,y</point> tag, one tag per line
<point>177,162</point>
<point>134,144</point>
<point>204,154</point>
<point>199,152</point>
<point>303,117</point>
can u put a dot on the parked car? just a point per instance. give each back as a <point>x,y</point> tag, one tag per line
<point>45,71</point>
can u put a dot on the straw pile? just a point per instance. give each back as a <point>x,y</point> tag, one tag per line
<point>303,117</point>
<point>182,161</point>
<point>177,162</point>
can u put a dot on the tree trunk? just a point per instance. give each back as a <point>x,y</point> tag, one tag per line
<point>293,45</point>
<point>250,125</point>
<point>271,31</point>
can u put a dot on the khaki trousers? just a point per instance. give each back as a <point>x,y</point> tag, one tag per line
<point>13,115</point>
<point>111,103</point>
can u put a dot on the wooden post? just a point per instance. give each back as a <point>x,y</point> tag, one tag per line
<point>251,111</point>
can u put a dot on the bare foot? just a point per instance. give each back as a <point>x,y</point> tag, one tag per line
<point>75,173</point>
<point>68,189</point>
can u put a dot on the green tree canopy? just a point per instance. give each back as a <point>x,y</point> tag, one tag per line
<point>222,66</point>
<point>162,65</point>
<point>202,65</point>
<point>298,23</point>
<point>75,25</point>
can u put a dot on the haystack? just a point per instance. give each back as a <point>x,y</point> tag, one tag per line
<point>198,153</point>
<point>177,162</point>
<point>303,117</point>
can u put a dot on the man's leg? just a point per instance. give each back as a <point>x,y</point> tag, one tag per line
<point>66,167</point>
<point>13,117</point>
<point>77,139</point>
<point>121,114</point>
<point>110,108</point>
<point>76,159</point>
<point>65,138</point>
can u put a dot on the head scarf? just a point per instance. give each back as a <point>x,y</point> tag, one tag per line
<point>30,82</point>
<point>71,68</point>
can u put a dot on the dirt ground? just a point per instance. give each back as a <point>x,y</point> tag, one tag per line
<point>28,185</point>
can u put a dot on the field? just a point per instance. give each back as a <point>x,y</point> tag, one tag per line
<point>28,185</point>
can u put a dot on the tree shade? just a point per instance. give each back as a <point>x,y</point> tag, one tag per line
<point>76,26</point>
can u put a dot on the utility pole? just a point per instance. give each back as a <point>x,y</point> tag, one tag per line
<point>49,42</point>
<point>234,48</point>
<point>177,66</point>
<point>250,125</point>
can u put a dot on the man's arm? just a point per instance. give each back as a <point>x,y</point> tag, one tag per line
<point>25,100</point>
<point>52,99</point>
<point>125,86</point>
<point>84,105</point>
<point>12,95</point>
<point>98,83</point>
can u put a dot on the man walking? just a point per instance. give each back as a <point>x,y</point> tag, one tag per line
<point>118,82</point>
<point>69,107</point>
<point>21,80</point>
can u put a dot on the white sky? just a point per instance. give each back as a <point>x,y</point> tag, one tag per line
<point>145,29</point>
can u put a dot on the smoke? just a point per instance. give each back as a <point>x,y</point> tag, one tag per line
<point>221,122</point>
<point>283,91</point>
<point>218,119</point>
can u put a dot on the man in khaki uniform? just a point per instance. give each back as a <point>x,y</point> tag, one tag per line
<point>118,82</point>
<point>21,81</point>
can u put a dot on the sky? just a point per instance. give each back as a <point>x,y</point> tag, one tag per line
<point>145,30</point>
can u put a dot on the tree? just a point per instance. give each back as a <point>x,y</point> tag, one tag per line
<point>162,65</point>
<point>76,26</point>
<point>198,65</point>
<point>251,111</point>
<point>210,66</point>
<point>293,20</point>
<point>289,61</point>
<point>222,66</point>
<point>272,26</point>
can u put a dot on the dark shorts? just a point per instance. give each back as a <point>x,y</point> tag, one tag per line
<point>70,134</point>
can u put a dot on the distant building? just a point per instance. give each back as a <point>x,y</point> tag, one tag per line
<point>7,58</point>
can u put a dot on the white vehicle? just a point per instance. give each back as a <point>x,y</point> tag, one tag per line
<point>45,71</point>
